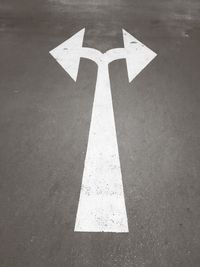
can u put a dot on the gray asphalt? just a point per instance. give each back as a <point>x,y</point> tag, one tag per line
<point>44,125</point>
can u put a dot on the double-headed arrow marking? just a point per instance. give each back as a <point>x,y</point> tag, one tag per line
<point>101,205</point>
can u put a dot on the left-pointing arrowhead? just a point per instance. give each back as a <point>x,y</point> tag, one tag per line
<point>138,55</point>
<point>66,54</point>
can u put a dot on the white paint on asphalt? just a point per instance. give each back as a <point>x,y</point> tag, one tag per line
<point>101,205</point>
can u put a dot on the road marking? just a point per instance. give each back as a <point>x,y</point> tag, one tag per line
<point>101,205</point>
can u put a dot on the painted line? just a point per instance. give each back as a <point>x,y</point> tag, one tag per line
<point>101,205</point>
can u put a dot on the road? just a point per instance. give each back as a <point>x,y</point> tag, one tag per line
<point>44,126</point>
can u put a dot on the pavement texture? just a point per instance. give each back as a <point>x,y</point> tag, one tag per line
<point>44,126</point>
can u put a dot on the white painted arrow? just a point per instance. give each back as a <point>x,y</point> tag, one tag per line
<point>101,205</point>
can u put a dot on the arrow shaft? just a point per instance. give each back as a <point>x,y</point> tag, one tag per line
<point>98,57</point>
<point>101,205</point>
<point>115,54</point>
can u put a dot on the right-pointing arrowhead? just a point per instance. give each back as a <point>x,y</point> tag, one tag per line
<point>66,54</point>
<point>139,56</point>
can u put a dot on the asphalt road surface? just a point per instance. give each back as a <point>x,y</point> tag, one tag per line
<point>44,126</point>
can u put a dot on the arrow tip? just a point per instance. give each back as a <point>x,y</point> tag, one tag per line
<point>66,55</point>
<point>139,55</point>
